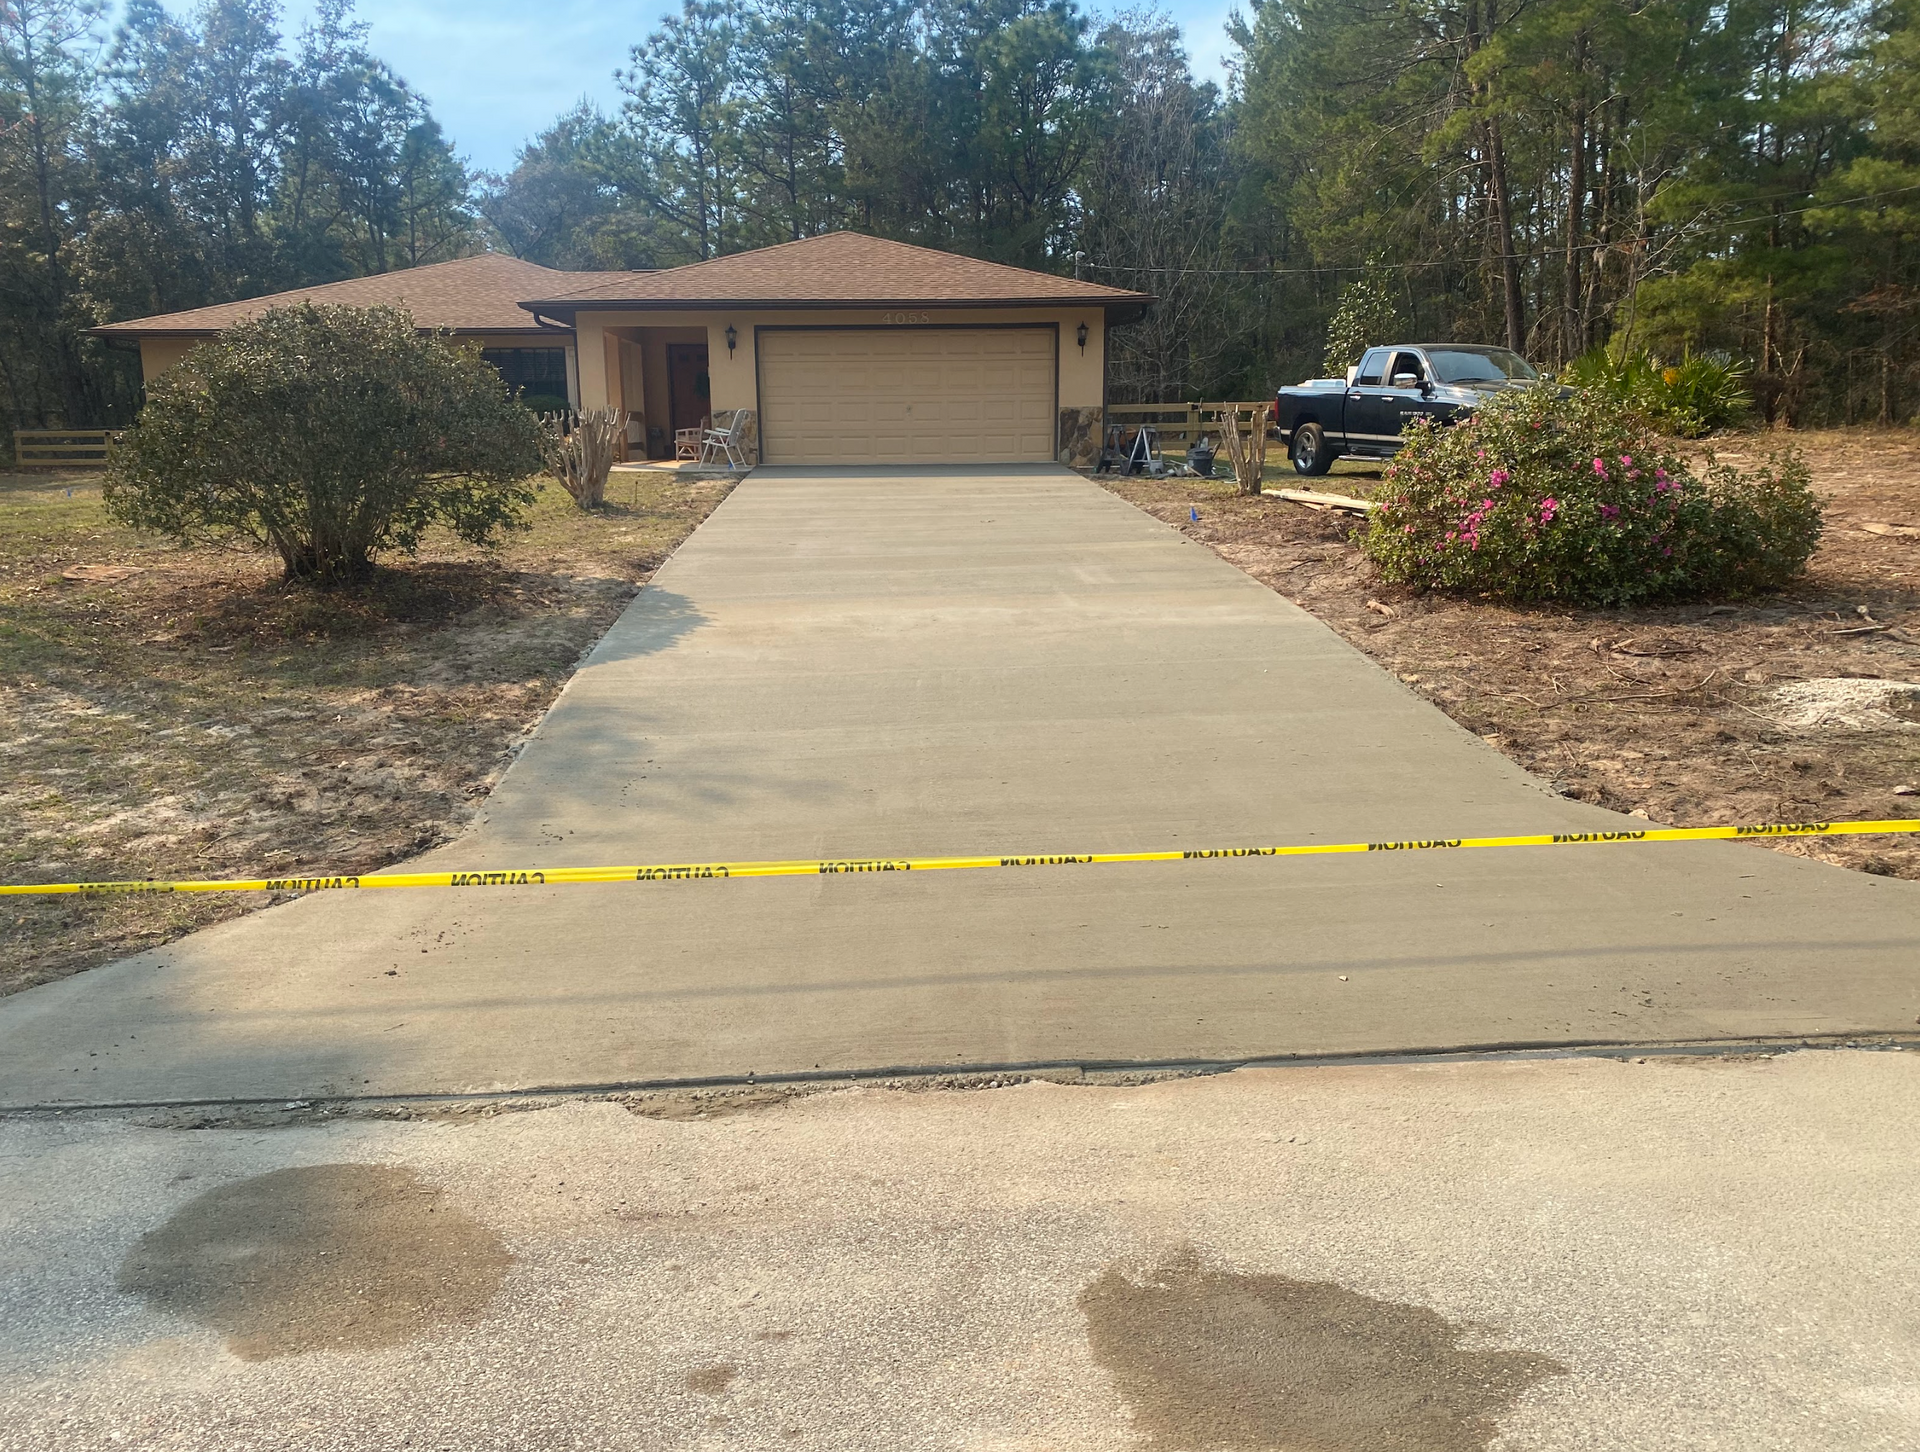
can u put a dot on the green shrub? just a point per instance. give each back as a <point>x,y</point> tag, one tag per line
<point>1544,495</point>
<point>545,403</point>
<point>1700,393</point>
<point>328,434</point>
<point>1766,522</point>
<point>1365,318</point>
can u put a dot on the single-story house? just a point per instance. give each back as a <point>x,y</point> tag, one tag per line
<point>848,349</point>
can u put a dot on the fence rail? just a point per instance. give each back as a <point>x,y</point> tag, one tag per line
<point>1181,423</point>
<point>63,448</point>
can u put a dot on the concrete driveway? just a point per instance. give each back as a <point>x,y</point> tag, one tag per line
<point>1003,661</point>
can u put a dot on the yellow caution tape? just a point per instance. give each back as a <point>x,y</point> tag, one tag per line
<point>553,876</point>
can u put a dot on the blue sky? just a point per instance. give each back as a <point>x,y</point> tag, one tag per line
<point>497,71</point>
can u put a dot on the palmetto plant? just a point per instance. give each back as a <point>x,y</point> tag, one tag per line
<point>1694,396</point>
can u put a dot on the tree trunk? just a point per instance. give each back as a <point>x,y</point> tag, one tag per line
<point>1769,347</point>
<point>1499,194</point>
<point>1575,341</point>
<point>1503,222</point>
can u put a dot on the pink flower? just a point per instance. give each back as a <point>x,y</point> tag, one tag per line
<point>1627,459</point>
<point>1549,507</point>
<point>1600,467</point>
<point>1609,511</point>
<point>1497,478</point>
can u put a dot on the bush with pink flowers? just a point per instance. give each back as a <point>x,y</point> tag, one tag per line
<point>1566,497</point>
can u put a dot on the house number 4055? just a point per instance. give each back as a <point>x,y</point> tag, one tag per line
<point>906,317</point>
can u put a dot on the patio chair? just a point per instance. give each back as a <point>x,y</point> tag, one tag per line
<point>729,441</point>
<point>686,442</point>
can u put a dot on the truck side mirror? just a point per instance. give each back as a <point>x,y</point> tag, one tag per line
<point>1406,380</point>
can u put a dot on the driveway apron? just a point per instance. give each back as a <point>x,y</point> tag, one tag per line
<point>894,663</point>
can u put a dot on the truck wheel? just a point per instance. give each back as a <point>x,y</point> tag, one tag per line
<point>1311,455</point>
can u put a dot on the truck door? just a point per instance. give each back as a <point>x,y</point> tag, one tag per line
<point>1370,405</point>
<point>1407,398</point>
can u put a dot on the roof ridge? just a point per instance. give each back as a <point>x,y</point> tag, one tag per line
<point>886,268</point>
<point>602,275</point>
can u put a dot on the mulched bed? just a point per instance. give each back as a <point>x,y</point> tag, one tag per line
<point>1670,711</point>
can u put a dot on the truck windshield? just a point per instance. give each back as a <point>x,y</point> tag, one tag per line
<point>1495,365</point>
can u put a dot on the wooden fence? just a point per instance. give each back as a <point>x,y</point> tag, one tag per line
<point>63,448</point>
<point>1179,424</point>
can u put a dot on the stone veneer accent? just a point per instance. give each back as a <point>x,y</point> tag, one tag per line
<point>749,439</point>
<point>1080,436</point>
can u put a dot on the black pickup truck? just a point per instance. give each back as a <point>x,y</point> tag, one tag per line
<point>1365,413</point>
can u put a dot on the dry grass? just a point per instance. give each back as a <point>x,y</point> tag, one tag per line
<point>199,718</point>
<point>1665,710</point>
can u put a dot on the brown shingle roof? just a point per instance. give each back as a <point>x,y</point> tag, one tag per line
<point>838,268</point>
<point>469,295</point>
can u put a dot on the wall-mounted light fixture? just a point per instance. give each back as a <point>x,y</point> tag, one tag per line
<point>732,337</point>
<point>1082,335</point>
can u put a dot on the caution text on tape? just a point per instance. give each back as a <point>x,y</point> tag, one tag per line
<point>831,867</point>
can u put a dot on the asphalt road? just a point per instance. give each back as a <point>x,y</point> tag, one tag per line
<point>1544,1256</point>
<point>1009,662</point>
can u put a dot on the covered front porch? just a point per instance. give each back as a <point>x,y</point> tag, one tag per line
<point>658,377</point>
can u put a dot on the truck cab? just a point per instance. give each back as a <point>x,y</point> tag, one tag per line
<point>1366,414</point>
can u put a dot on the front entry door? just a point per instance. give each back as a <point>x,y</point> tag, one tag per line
<point>689,389</point>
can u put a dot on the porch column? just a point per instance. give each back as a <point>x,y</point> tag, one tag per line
<point>592,348</point>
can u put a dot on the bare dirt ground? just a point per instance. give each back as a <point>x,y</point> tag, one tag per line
<point>1673,712</point>
<point>171,713</point>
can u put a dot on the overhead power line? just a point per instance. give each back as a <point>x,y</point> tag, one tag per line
<point>1729,225</point>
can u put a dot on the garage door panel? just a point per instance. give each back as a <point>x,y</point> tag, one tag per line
<point>907,395</point>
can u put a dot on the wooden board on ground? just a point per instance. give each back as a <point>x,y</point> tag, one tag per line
<point>1323,501</point>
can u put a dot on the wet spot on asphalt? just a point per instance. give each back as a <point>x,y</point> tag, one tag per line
<point>326,1257</point>
<point>1210,1359</point>
<point>710,1381</point>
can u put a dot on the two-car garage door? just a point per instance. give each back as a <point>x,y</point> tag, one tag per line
<point>906,395</point>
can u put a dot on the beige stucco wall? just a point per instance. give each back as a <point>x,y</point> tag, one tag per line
<point>157,355</point>
<point>1082,375</point>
